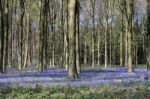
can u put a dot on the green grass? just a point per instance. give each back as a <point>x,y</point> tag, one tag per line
<point>132,91</point>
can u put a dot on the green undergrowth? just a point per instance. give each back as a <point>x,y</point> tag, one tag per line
<point>107,91</point>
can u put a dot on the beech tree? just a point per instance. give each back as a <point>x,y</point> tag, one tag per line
<point>72,11</point>
<point>148,35</point>
<point>2,13</point>
<point>129,26</point>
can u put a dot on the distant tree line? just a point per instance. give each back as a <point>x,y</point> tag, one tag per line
<point>72,34</point>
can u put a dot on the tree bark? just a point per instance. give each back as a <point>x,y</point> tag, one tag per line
<point>148,36</point>
<point>129,14</point>
<point>72,73</point>
<point>2,66</point>
<point>93,33</point>
<point>78,37</point>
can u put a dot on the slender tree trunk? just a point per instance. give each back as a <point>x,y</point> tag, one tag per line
<point>93,33</point>
<point>2,66</point>
<point>126,45</point>
<point>46,33</point>
<point>53,43</point>
<point>7,35</point>
<point>121,41</point>
<point>22,7</point>
<point>148,36</point>
<point>129,14</point>
<point>41,38</point>
<point>12,36</point>
<point>78,37</point>
<point>63,33</point>
<point>98,47</point>
<point>66,46</point>
<point>26,40</point>
<point>66,39</point>
<point>106,44</point>
<point>106,32</point>
<point>110,46</point>
<point>85,52</point>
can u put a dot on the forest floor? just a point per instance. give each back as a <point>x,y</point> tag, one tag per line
<point>92,77</point>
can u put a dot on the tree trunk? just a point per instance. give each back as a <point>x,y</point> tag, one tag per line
<point>72,73</point>
<point>106,32</point>
<point>2,66</point>
<point>78,37</point>
<point>93,33</point>
<point>148,36</point>
<point>129,14</point>
<point>7,35</point>
<point>121,41</point>
<point>106,52</point>
<point>22,7</point>
<point>98,47</point>
<point>85,53</point>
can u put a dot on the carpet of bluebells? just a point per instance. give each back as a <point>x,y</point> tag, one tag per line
<point>114,83</point>
<point>52,76</point>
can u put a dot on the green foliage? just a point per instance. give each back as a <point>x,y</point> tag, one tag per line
<point>133,91</point>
